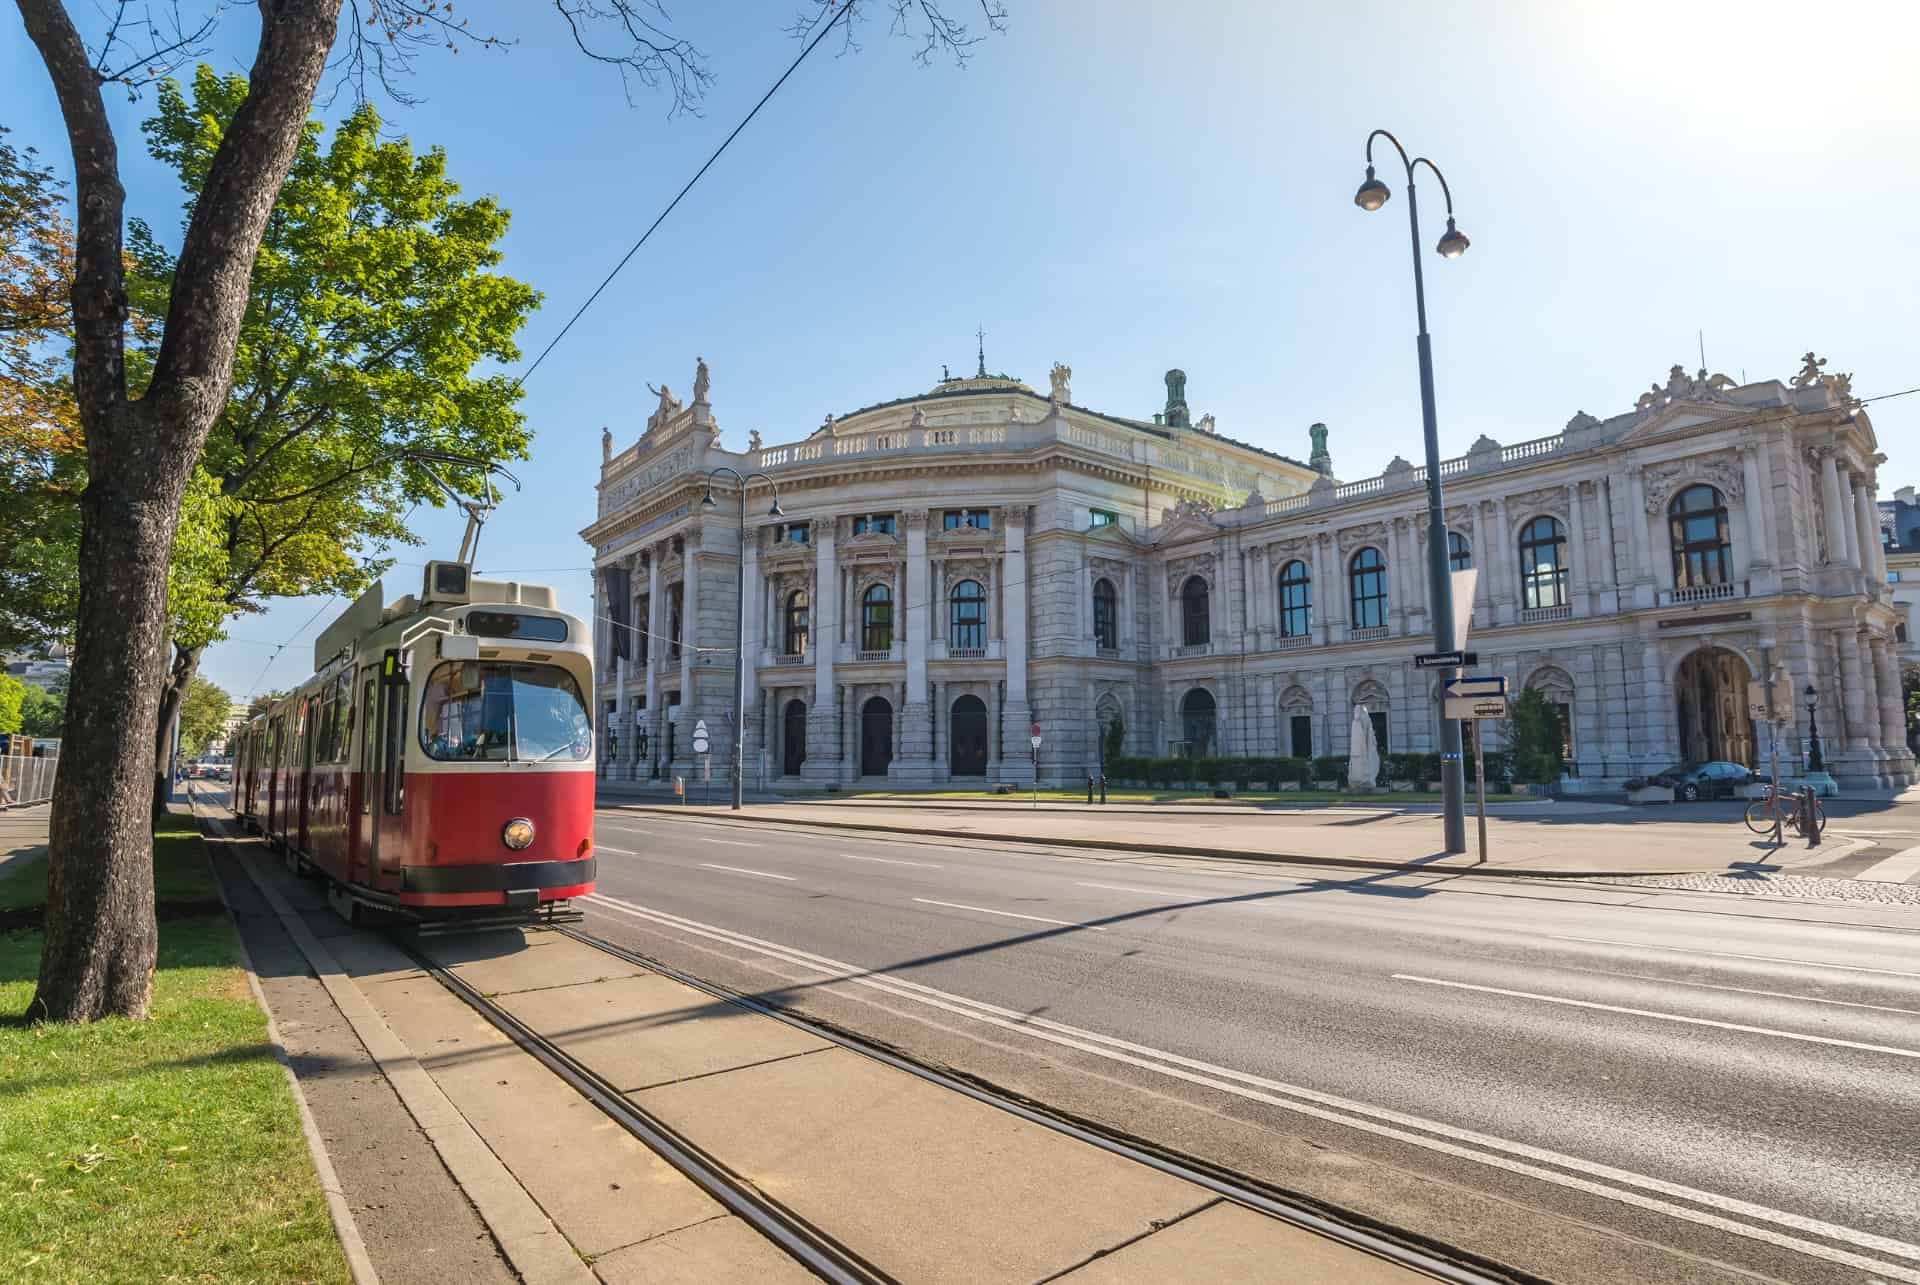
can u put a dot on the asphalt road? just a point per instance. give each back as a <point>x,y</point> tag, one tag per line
<point>1561,1079</point>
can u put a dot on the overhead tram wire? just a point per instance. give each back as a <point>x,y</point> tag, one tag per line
<point>579,312</point>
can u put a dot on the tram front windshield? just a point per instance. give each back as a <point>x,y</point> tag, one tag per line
<point>499,712</point>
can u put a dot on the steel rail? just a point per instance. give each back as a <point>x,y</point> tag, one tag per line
<point>1394,1247</point>
<point>812,1248</point>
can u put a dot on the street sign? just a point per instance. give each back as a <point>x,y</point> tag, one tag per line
<point>1445,659</point>
<point>700,741</point>
<point>1475,707</point>
<point>1782,704</point>
<point>1034,741</point>
<point>1462,583</point>
<point>1479,685</point>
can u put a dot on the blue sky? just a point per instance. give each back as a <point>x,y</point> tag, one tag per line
<point>1125,185</point>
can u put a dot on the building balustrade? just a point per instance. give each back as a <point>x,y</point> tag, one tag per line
<point>1540,615</point>
<point>1703,593</point>
<point>1289,642</point>
<point>1368,634</point>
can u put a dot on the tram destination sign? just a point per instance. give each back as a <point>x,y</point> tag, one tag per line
<point>1446,659</point>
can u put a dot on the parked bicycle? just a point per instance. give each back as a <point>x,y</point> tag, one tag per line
<point>1784,808</point>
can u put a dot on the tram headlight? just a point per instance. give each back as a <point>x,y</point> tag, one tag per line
<point>517,833</point>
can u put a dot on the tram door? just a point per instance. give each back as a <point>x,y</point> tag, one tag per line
<point>361,860</point>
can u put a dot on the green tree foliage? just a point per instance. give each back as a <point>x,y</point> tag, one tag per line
<point>202,714</point>
<point>44,712</point>
<point>372,333</point>
<point>13,694</point>
<point>1534,738</point>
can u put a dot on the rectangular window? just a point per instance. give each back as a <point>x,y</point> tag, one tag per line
<point>970,519</point>
<point>1379,718</point>
<point>874,524</point>
<point>516,624</point>
<point>1302,735</point>
<point>673,620</point>
<point>1103,517</point>
<point>798,533</point>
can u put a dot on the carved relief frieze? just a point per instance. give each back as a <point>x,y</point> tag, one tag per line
<point>1178,570</point>
<point>1546,499</point>
<point>1722,471</point>
<point>1354,537</point>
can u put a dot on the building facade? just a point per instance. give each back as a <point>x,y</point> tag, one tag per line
<point>947,570</point>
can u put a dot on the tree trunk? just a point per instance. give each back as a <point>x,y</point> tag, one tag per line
<point>101,940</point>
<point>173,691</point>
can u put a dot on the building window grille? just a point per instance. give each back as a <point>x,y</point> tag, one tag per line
<point>1106,615</point>
<point>967,617</point>
<point>1543,563</point>
<point>1296,600</point>
<point>1702,551</point>
<point>876,618</point>
<point>1459,552</point>
<point>1196,626</point>
<point>1367,588</point>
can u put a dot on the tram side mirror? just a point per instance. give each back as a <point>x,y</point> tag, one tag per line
<point>396,666</point>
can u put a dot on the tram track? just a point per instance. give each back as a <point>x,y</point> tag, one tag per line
<point>833,1261</point>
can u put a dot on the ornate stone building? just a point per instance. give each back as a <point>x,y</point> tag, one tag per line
<point>949,568</point>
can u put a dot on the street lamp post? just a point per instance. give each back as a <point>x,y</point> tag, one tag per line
<point>1815,761</point>
<point>740,615</point>
<point>1372,195</point>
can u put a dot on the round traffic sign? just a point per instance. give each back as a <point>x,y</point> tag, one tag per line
<point>700,745</point>
<point>1035,740</point>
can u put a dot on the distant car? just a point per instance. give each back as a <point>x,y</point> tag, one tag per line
<point>1715,780</point>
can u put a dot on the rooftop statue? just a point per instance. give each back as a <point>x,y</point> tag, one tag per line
<point>701,381</point>
<point>1059,380</point>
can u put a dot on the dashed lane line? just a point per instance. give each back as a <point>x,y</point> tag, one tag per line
<point>1008,914</point>
<point>707,865</point>
<point>607,847</point>
<point>890,861</point>
<point>1728,954</point>
<point>1655,1013</point>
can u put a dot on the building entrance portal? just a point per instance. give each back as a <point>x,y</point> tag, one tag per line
<point>967,737</point>
<point>793,738</point>
<point>876,736</point>
<point>1711,688</point>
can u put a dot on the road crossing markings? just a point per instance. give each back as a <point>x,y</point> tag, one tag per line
<point>1898,868</point>
<point>1502,1153</point>
<point>1007,914</point>
<point>1664,1017</point>
<point>890,861</point>
<point>707,865</point>
<point>1728,954</point>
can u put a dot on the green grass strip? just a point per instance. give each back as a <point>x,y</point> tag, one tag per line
<point>165,1150</point>
<point>1171,796</point>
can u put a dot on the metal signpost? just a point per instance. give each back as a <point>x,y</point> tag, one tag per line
<point>1033,738</point>
<point>1768,702</point>
<point>700,746</point>
<point>1474,699</point>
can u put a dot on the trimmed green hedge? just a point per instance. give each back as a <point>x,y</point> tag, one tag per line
<point>1239,773</point>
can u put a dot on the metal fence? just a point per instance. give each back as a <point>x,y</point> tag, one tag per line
<point>26,780</point>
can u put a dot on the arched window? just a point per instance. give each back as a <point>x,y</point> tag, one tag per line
<point>1196,628</point>
<point>876,618</point>
<point>1459,552</point>
<point>967,616</point>
<point>1367,588</point>
<point>1697,523</point>
<point>799,621</point>
<point>1106,615</point>
<point>1543,563</point>
<point>1296,600</point>
<point>1196,722</point>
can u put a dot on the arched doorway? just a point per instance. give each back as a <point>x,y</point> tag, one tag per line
<point>1196,722</point>
<point>1710,688</point>
<point>876,736</point>
<point>793,737</point>
<point>967,737</point>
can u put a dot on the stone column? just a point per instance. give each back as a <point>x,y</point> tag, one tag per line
<point>823,723</point>
<point>1867,518</point>
<point>1893,714</point>
<point>1642,577</point>
<point>1396,582</point>
<point>916,733</point>
<point>690,638</point>
<point>1853,688</point>
<point>1504,562</point>
<point>1869,693</point>
<point>1257,590</point>
<point>656,653</point>
<point>1830,502</point>
<point>1582,595</point>
<point>1324,594</point>
<point>1014,721</point>
<point>1483,559</point>
<point>1759,554</point>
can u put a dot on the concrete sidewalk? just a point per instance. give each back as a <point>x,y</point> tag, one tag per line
<point>23,836</point>
<point>924,1183</point>
<point>1357,838</point>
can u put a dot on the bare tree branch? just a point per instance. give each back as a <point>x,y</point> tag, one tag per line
<point>924,20</point>
<point>169,44</point>
<point>652,55</point>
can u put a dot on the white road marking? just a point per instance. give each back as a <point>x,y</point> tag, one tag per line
<point>1898,868</point>
<point>1006,914</point>
<point>625,852</point>
<point>1664,1017</point>
<point>890,861</point>
<point>1121,887</point>
<point>1728,954</point>
<point>732,843</point>
<point>1380,1121</point>
<point>706,865</point>
<point>1748,990</point>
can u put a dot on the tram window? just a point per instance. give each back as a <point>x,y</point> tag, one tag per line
<point>393,746</point>
<point>515,624</point>
<point>486,711</point>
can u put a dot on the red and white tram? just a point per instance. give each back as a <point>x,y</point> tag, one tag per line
<point>438,765</point>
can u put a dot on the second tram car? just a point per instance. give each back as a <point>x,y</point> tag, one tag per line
<point>439,763</point>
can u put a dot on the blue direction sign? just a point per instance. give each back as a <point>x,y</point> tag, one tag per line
<point>1445,659</point>
<point>1490,685</point>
